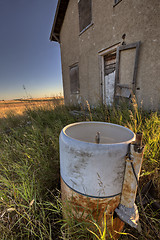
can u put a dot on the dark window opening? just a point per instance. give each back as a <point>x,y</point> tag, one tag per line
<point>85,13</point>
<point>74,79</point>
<point>117,1</point>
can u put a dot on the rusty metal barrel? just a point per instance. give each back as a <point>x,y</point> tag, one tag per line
<point>92,165</point>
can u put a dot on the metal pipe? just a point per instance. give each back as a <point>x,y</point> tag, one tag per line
<point>127,209</point>
<point>97,138</point>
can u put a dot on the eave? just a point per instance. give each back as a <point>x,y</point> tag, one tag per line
<point>58,20</point>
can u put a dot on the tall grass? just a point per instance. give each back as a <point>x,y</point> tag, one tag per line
<point>30,205</point>
<point>29,168</point>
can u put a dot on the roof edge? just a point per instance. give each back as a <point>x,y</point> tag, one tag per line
<point>58,20</point>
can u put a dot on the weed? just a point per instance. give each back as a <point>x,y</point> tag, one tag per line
<point>30,205</point>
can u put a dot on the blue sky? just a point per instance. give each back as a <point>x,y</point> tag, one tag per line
<point>27,57</point>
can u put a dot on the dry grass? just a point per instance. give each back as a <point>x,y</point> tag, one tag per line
<point>30,205</point>
<point>19,106</point>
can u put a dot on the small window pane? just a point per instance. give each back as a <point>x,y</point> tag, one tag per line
<point>85,13</point>
<point>116,1</point>
<point>74,79</point>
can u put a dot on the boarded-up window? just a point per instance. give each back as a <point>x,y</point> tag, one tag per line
<point>85,13</point>
<point>74,79</point>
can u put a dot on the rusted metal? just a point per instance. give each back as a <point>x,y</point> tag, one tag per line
<point>87,208</point>
<point>92,169</point>
<point>139,137</point>
<point>127,209</point>
<point>130,184</point>
<point>93,173</point>
<point>97,138</point>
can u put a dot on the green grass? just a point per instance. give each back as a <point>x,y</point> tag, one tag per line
<point>30,205</point>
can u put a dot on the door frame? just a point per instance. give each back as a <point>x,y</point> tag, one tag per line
<point>101,54</point>
<point>118,48</point>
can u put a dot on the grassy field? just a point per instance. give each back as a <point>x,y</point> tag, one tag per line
<point>30,205</point>
<point>20,105</point>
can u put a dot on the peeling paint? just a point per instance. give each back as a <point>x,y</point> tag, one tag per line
<point>89,165</point>
<point>92,174</point>
<point>130,184</point>
<point>88,208</point>
<point>127,210</point>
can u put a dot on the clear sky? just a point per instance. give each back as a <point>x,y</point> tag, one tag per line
<point>27,57</point>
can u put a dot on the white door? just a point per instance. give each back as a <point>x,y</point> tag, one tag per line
<point>109,85</point>
<point>109,77</point>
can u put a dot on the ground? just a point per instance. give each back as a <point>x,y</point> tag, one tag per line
<point>18,106</point>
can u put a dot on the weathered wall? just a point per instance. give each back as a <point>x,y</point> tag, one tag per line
<point>69,38</point>
<point>139,20</point>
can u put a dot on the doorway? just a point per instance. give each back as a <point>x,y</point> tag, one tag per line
<point>119,65</point>
<point>109,77</point>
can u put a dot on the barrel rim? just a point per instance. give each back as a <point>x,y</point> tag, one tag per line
<point>97,122</point>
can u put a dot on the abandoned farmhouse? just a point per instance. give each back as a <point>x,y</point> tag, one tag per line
<point>109,50</point>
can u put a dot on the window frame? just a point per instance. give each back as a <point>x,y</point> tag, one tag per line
<point>116,2</point>
<point>135,45</point>
<point>77,84</point>
<point>91,21</point>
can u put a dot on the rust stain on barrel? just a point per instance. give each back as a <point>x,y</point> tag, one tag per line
<point>83,208</point>
<point>129,189</point>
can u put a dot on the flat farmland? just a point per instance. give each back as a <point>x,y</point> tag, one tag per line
<point>19,106</point>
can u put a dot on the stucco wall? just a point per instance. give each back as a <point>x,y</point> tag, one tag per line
<point>139,20</point>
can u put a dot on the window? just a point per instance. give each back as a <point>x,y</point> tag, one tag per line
<point>117,1</point>
<point>74,79</point>
<point>85,14</point>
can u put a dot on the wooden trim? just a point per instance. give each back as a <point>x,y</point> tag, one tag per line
<point>107,50</point>
<point>54,23</point>
<point>85,29</point>
<point>56,37</point>
<point>101,54</point>
<point>73,65</point>
<point>58,18</point>
<point>103,79</point>
<point>117,70</point>
<point>136,66</point>
<point>117,3</point>
<point>126,47</point>
<point>101,75</point>
<point>123,86</point>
